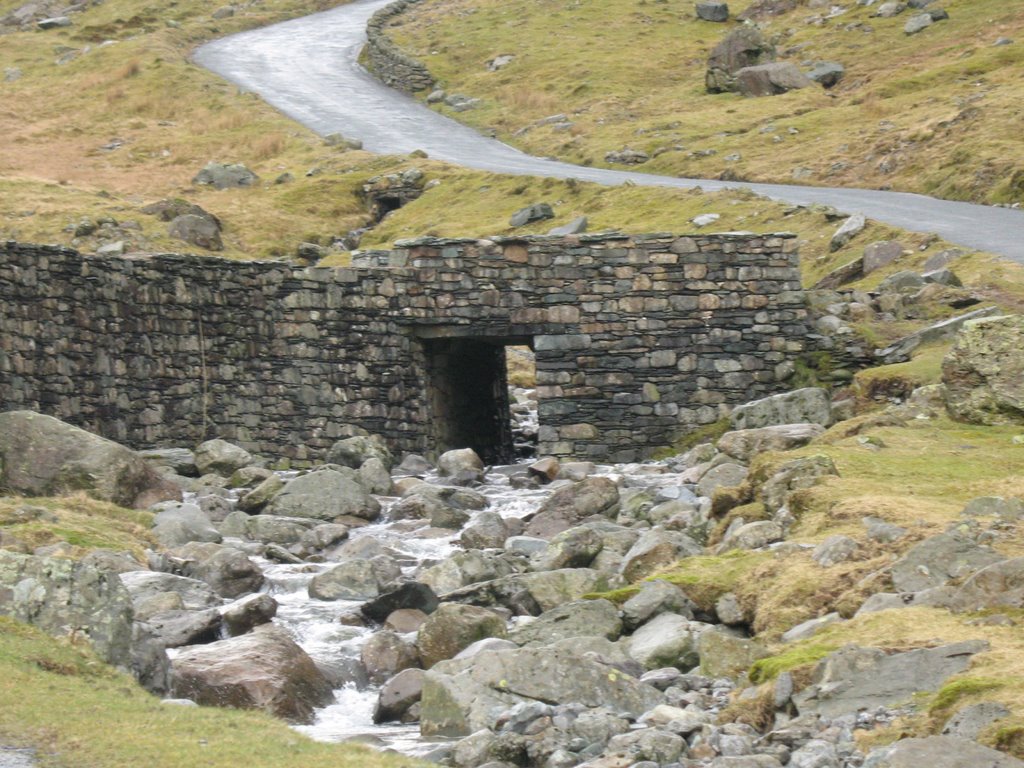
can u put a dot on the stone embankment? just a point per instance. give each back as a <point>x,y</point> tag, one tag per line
<point>386,60</point>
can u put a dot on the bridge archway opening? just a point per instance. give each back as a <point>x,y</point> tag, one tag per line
<point>468,391</point>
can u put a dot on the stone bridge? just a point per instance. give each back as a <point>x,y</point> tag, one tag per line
<point>638,339</point>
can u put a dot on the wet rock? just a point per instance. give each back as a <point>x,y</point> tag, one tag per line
<point>940,559</point>
<point>353,452</point>
<point>744,444</point>
<point>453,627</point>
<point>325,494</point>
<point>397,695</point>
<point>810,405</point>
<point>984,372</point>
<point>374,477</point>
<point>411,594</point>
<point>534,593</point>
<point>225,176</point>
<point>582,618</point>
<point>386,654</point>
<point>488,531</point>
<point>354,580</point>
<point>227,570</point>
<point>247,613</point>
<point>62,597</point>
<point>464,568</point>
<point>667,640</point>
<point>460,695</point>
<point>43,456</point>
<point>264,669</point>
<point>855,678</point>
<point>571,505</point>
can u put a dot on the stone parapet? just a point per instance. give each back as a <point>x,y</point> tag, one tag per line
<point>386,60</point>
<point>638,340</point>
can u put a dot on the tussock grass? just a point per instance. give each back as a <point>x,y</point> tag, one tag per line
<point>82,522</point>
<point>80,713</point>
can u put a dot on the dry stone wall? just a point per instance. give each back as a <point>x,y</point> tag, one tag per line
<point>386,60</point>
<point>638,339</point>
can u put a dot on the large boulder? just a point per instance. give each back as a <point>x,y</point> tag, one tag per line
<point>386,654</point>
<point>573,548</point>
<point>453,627</point>
<point>743,47</point>
<point>63,597</point>
<point>398,694</point>
<point>464,568</point>
<point>462,696</point>
<point>177,524</point>
<point>325,494</point>
<point>227,570</point>
<point>452,463</point>
<point>355,580</point>
<point>771,79</point>
<point>43,456</point>
<point>571,505</point>
<point>855,678</point>
<point>582,618</point>
<point>938,560</point>
<point>1000,585</point>
<point>656,548</point>
<point>810,405</point>
<point>148,586</point>
<point>667,640</point>
<point>984,371</point>
<point>201,231</point>
<point>264,669</point>
<point>534,593</point>
<point>219,457</point>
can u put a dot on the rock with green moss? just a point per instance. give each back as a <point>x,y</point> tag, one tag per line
<point>724,653</point>
<point>984,372</point>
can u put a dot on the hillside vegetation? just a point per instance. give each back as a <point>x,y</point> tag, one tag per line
<point>937,112</point>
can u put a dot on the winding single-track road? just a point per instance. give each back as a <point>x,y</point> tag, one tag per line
<point>308,68</point>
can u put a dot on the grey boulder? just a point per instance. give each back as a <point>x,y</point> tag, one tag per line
<point>325,494</point>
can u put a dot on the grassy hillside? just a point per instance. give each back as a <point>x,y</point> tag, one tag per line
<point>938,112</point>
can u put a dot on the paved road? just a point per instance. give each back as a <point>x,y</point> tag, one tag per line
<point>307,68</point>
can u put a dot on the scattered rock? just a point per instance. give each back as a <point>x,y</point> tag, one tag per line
<point>984,372</point>
<point>849,229</point>
<point>452,628</point>
<point>827,73</point>
<point>743,47</point>
<point>221,176</point>
<point>770,79</point>
<point>712,11</point>
<point>626,156</point>
<point>810,405</point>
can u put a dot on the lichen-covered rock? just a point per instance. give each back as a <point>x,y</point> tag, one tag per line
<point>940,559</point>
<point>744,444</point>
<point>355,579</point>
<point>743,47</point>
<point>353,452</point>
<point>264,669</point>
<point>453,627</point>
<point>63,597</point>
<point>464,695</point>
<point>43,456</point>
<point>667,640</point>
<point>386,654</point>
<point>771,79</point>
<point>810,405</point>
<point>939,752</point>
<point>655,549</point>
<point>984,372</point>
<point>227,570</point>
<point>581,618</point>
<point>225,176</point>
<point>144,586</point>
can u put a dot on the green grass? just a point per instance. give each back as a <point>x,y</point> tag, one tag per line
<point>765,670</point>
<point>930,113</point>
<point>82,522</point>
<point>80,713</point>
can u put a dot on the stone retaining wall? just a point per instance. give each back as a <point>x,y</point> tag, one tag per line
<point>638,339</point>
<point>386,60</point>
